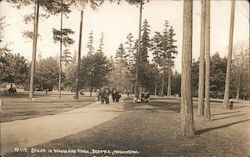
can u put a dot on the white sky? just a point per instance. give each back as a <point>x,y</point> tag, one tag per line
<point>116,21</point>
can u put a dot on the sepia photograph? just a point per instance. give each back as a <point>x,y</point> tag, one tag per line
<point>124,78</point>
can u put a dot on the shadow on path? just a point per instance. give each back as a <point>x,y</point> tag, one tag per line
<point>230,116</point>
<point>199,132</point>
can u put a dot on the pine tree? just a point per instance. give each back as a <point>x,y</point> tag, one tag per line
<point>229,62</point>
<point>201,60</point>
<point>145,41</point>
<point>156,48</point>
<point>171,52</point>
<point>66,57</point>
<point>207,62</point>
<point>90,44</point>
<point>164,51</point>
<point>187,120</point>
<point>101,44</point>
<point>130,51</point>
<point>66,39</point>
<point>120,66</point>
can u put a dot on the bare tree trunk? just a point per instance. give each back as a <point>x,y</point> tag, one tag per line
<point>187,120</point>
<point>229,59</point>
<point>79,58</point>
<point>155,88</point>
<point>33,64</point>
<point>169,83</point>
<point>163,82</point>
<point>60,57</point>
<point>207,60</point>
<point>201,66</point>
<point>240,69</point>
<point>138,56</point>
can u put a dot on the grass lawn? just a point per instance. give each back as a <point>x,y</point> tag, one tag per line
<point>19,107</point>
<point>153,129</point>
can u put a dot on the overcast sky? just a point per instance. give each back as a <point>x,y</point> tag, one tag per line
<point>117,21</point>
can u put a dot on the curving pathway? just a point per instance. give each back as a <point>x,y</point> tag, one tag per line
<point>35,131</point>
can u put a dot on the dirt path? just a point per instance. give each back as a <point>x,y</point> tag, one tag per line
<point>34,131</point>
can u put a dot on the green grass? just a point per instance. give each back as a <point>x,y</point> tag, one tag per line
<point>19,107</point>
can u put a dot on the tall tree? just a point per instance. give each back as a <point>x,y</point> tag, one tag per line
<point>120,67</point>
<point>62,36</point>
<point>95,70</point>
<point>156,48</point>
<point>207,60</point>
<point>34,49</point>
<point>230,44</point>
<point>138,55</point>
<point>130,50</point>
<point>66,57</point>
<point>145,41</point>
<point>240,58</point>
<point>101,44</point>
<point>66,39</point>
<point>187,120</point>
<point>201,61</point>
<point>164,51</point>
<point>91,49</point>
<point>164,54</point>
<point>172,50</point>
<point>130,59</point>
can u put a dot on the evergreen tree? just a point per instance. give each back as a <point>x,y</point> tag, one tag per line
<point>187,119</point>
<point>171,52</point>
<point>66,39</point>
<point>130,56</point>
<point>66,57</point>
<point>101,44</point>
<point>164,51</point>
<point>90,44</point>
<point>145,41</point>
<point>121,67</point>
<point>156,48</point>
<point>95,70</point>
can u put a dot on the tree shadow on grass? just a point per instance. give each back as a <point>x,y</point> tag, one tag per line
<point>231,116</point>
<point>169,106</point>
<point>236,107</point>
<point>224,113</point>
<point>199,132</point>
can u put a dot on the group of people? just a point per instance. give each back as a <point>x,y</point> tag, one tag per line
<point>144,97</point>
<point>104,93</point>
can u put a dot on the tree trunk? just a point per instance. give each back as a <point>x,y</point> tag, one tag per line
<point>169,83</point>
<point>207,60</point>
<point>155,88</point>
<point>162,83</point>
<point>240,75</point>
<point>33,64</point>
<point>138,56</point>
<point>201,66</point>
<point>60,57</point>
<point>187,120</point>
<point>79,58</point>
<point>229,59</point>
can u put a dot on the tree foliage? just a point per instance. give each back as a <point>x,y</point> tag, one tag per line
<point>14,68</point>
<point>66,39</point>
<point>47,72</point>
<point>90,46</point>
<point>94,71</point>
